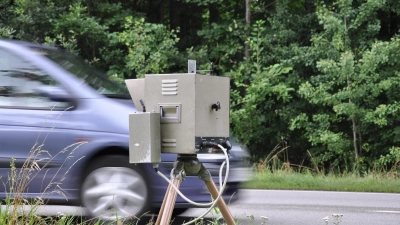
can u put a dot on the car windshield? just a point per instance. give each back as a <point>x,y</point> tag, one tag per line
<point>90,75</point>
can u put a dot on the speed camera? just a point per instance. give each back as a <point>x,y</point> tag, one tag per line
<point>178,113</point>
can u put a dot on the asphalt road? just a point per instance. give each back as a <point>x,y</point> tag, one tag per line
<point>294,207</point>
<point>310,207</point>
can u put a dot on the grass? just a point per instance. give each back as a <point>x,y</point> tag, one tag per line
<point>17,209</point>
<point>274,173</point>
<point>290,180</point>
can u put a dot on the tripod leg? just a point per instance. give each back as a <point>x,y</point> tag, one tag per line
<point>163,206</point>
<point>167,207</point>
<point>169,202</point>
<point>221,203</point>
<point>205,176</point>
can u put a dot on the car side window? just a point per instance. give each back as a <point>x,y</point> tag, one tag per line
<point>20,83</point>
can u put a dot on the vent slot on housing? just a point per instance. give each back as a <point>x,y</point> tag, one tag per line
<point>169,87</point>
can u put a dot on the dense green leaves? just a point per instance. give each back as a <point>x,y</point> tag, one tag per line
<point>351,84</point>
<point>151,47</point>
<point>321,77</point>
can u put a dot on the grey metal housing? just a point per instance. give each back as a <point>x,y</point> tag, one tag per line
<point>192,107</point>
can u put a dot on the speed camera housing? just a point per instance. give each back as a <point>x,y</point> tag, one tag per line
<point>193,110</point>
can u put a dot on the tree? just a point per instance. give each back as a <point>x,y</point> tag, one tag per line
<point>317,75</point>
<point>151,47</point>
<point>353,83</point>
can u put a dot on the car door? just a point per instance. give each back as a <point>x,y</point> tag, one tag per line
<point>33,128</point>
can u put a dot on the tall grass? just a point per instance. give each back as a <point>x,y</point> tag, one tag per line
<point>292,180</point>
<point>273,172</point>
<point>17,208</point>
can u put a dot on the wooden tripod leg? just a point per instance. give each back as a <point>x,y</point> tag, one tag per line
<point>160,213</point>
<point>221,203</point>
<point>165,214</point>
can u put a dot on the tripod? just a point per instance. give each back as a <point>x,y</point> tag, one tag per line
<point>189,164</point>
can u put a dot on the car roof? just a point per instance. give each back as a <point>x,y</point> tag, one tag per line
<point>26,44</point>
<point>68,79</point>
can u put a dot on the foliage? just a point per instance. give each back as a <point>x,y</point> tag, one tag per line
<point>70,45</point>
<point>392,158</point>
<point>6,32</point>
<point>31,19</point>
<point>78,24</point>
<point>352,84</point>
<point>224,43</point>
<point>150,46</point>
<point>320,75</point>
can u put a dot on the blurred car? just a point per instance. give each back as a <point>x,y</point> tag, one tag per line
<point>65,124</point>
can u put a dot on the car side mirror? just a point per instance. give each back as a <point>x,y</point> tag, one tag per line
<point>54,93</point>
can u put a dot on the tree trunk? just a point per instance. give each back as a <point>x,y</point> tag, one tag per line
<point>360,151</point>
<point>355,138</point>
<point>155,11</point>
<point>174,14</point>
<point>248,24</point>
<point>214,13</point>
<point>309,6</point>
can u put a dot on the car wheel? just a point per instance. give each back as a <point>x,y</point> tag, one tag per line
<point>114,189</point>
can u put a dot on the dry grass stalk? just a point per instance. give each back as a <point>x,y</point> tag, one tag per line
<point>18,181</point>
